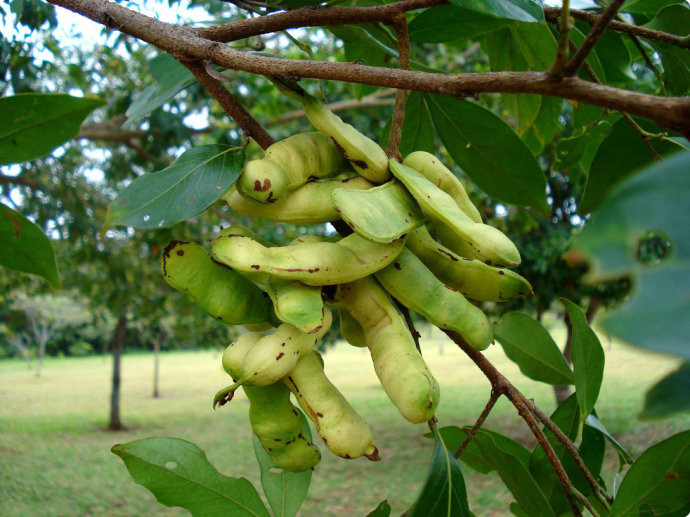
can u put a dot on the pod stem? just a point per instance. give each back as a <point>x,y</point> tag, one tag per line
<point>226,394</point>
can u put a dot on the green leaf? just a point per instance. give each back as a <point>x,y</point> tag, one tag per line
<point>515,476</point>
<point>444,492</point>
<point>623,455</point>
<point>178,473</point>
<point>676,62</point>
<point>655,199</point>
<point>417,131</point>
<point>659,481</point>
<point>669,395</point>
<point>194,182</point>
<point>578,150</point>
<point>520,10</point>
<point>592,60</point>
<point>588,359</point>
<point>449,22</point>
<point>170,77</point>
<point>647,6</point>
<point>24,247</point>
<point>33,124</point>
<point>489,152</point>
<point>284,490</point>
<point>382,510</point>
<point>527,343</point>
<point>619,156</point>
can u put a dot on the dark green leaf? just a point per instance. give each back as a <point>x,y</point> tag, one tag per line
<point>489,152</point>
<point>592,60</point>
<point>647,6</point>
<point>382,510</point>
<point>449,23</point>
<point>655,315</point>
<point>170,77</point>
<point>670,395</point>
<point>619,156</point>
<point>588,359</point>
<point>615,57</point>
<point>527,343</point>
<point>444,492</point>
<point>189,186</point>
<point>658,481</point>
<point>676,61</point>
<point>578,150</point>
<point>520,10</point>
<point>24,247</point>
<point>33,124</point>
<point>516,477</point>
<point>546,125</point>
<point>178,473</point>
<point>623,455</point>
<point>284,490</point>
<point>417,131</point>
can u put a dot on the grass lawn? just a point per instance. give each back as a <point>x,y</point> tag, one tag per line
<point>55,454</point>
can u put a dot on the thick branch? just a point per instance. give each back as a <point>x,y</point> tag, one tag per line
<point>588,45</point>
<point>229,103</point>
<point>672,112</point>
<point>398,119</point>
<point>552,14</point>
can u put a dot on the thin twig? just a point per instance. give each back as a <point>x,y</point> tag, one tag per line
<point>562,53</point>
<point>495,395</point>
<point>643,53</point>
<point>395,135</point>
<point>410,324</point>
<point>229,103</point>
<point>370,101</point>
<point>587,46</point>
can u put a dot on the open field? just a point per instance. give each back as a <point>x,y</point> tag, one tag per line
<point>55,456</point>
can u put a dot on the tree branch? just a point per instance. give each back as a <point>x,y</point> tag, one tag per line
<point>398,119</point>
<point>563,40</point>
<point>20,180</point>
<point>495,395</point>
<point>229,103</point>
<point>672,112</point>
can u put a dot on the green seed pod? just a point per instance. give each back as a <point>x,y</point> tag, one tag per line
<point>472,278</point>
<point>237,229</point>
<point>289,164</point>
<point>413,285</point>
<point>351,330</point>
<point>432,169</point>
<point>314,263</point>
<point>274,355</point>
<point>221,292</point>
<point>296,303</point>
<point>308,204</point>
<point>272,416</point>
<point>380,214</point>
<point>488,244</point>
<point>365,155</point>
<point>343,430</point>
<point>397,362</point>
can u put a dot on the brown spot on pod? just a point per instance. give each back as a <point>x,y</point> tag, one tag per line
<point>262,188</point>
<point>450,255</point>
<point>397,266</point>
<point>374,456</point>
<point>180,253</point>
<point>360,163</point>
<point>277,440</point>
<point>347,457</point>
<point>503,273</point>
<point>279,356</point>
<point>488,262</point>
<point>312,177</point>
<point>283,343</point>
<point>255,266</point>
<point>319,415</point>
<point>289,270</point>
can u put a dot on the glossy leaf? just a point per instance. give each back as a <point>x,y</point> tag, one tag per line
<point>444,492</point>
<point>520,10</point>
<point>489,152</point>
<point>449,22</point>
<point>658,482</point>
<point>620,155</point>
<point>674,19</point>
<point>380,214</point>
<point>189,186</point>
<point>33,124</point>
<point>527,343</point>
<point>382,510</point>
<point>623,455</point>
<point>285,491</point>
<point>417,131</point>
<point>578,150</point>
<point>170,77</point>
<point>655,315</point>
<point>669,395</point>
<point>178,473</point>
<point>24,247</point>
<point>588,359</point>
<point>647,6</point>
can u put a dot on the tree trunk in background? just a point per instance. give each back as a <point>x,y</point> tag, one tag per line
<point>117,345</point>
<point>156,359</point>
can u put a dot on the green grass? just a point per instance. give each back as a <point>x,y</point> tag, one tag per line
<point>55,455</point>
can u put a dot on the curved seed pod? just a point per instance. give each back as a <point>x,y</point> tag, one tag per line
<point>274,355</point>
<point>411,283</point>
<point>472,278</point>
<point>272,416</point>
<point>289,164</point>
<point>296,303</point>
<point>314,263</point>
<point>237,229</point>
<point>432,169</point>
<point>221,292</point>
<point>308,204</point>
<point>351,330</point>
<point>380,214</point>
<point>489,244</point>
<point>343,430</point>
<point>365,155</point>
<point>398,364</point>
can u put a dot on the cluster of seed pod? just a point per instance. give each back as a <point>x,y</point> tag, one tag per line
<point>315,178</point>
